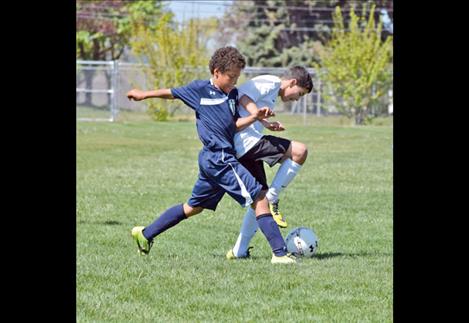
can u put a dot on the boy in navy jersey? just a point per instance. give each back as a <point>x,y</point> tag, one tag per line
<point>215,102</point>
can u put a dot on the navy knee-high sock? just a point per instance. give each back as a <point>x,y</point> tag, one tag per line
<point>167,219</point>
<point>271,231</point>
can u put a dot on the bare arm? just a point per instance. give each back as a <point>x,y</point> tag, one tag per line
<point>138,95</point>
<point>255,113</point>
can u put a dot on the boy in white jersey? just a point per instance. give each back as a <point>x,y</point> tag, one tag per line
<point>253,148</point>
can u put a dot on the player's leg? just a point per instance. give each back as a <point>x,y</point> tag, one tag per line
<point>170,218</point>
<point>239,183</point>
<point>204,195</point>
<point>144,235</point>
<point>272,149</point>
<point>271,231</point>
<point>246,233</point>
<point>291,164</point>
<point>249,226</point>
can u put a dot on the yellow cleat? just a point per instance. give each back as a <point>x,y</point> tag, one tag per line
<point>231,256</point>
<point>278,217</point>
<point>143,244</point>
<point>287,259</point>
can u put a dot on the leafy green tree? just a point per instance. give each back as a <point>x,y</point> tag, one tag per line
<point>104,29</point>
<point>357,65</point>
<point>175,56</point>
<point>264,32</point>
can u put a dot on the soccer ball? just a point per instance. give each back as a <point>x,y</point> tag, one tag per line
<point>302,242</point>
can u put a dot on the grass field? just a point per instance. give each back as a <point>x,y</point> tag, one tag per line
<point>130,171</point>
<point>85,112</point>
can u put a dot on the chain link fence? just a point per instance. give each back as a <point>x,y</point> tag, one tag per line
<point>101,88</point>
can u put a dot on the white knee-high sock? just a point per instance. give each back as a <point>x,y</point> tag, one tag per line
<point>248,229</point>
<point>283,177</point>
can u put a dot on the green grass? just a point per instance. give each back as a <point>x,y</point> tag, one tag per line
<point>130,171</point>
<point>86,112</point>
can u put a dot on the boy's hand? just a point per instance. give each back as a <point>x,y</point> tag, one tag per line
<point>264,113</point>
<point>135,95</point>
<point>275,126</point>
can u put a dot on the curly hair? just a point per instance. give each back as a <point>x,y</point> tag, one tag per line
<point>226,58</point>
<point>301,75</point>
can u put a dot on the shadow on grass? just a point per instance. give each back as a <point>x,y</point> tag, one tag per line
<point>328,255</point>
<point>107,222</point>
<point>325,255</point>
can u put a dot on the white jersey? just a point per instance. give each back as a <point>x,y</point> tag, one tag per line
<point>263,90</point>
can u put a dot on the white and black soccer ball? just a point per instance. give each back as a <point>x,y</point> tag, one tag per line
<point>302,242</point>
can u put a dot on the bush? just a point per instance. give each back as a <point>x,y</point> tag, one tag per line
<point>356,65</point>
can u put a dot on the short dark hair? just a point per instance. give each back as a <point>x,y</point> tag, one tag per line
<point>225,58</point>
<point>301,75</point>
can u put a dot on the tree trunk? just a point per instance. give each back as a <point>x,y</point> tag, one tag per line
<point>360,116</point>
<point>88,76</point>
<point>88,85</point>
<point>108,85</point>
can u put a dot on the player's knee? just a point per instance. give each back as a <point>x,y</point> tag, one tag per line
<point>191,210</point>
<point>299,152</point>
<point>259,198</point>
<point>261,204</point>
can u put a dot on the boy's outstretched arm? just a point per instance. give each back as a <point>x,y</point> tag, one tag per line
<point>138,95</point>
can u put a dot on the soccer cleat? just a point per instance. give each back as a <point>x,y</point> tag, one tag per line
<point>278,217</point>
<point>144,245</point>
<point>287,259</point>
<point>231,256</point>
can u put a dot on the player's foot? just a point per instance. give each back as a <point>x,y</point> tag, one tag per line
<point>287,259</point>
<point>144,245</point>
<point>278,217</point>
<point>231,256</point>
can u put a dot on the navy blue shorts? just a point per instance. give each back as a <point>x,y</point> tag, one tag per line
<point>219,173</point>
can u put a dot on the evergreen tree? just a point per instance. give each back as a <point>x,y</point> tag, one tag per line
<point>279,33</point>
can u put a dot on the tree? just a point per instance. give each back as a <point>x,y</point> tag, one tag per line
<point>175,56</point>
<point>264,31</point>
<point>357,64</point>
<point>279,33</point>
<point>104,29</point>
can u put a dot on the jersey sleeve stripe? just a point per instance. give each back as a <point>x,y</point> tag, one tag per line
<point>205,101</point>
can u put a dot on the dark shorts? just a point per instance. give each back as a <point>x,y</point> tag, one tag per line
<point>219,173</point>
<point>268,149</point>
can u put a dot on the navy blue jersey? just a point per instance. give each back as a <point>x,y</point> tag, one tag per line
<point>215,112</point>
